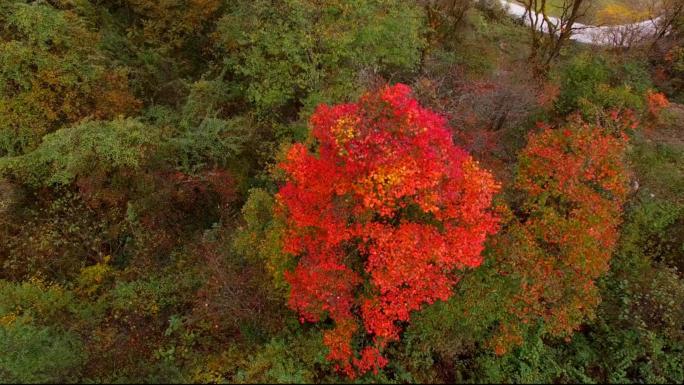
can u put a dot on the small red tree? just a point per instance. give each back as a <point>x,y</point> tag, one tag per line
<point>574,183</point>
<point>381,216</point>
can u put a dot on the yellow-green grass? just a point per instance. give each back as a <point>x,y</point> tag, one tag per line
<point>606,11</point>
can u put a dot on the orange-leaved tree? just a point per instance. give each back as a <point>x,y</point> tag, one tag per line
<point>381,216</point>
<point>574,183</point>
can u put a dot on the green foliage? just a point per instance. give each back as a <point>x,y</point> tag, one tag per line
<point>660,168</point>
<point>37,32</point>
<point>442,340</point>
<point>35,346</point>
<point>592,83</point>
<point>579,81</point>
<point>657,225</point>
<point>213,143</point>
<point>170,25</point>
<point>207,99</point>
<point>449,329</point>
<point>654,229</point>
<point>32,354</point>
<point>289,53</point>
<point>144,297</point>
<point>51,74</point>
<point>206,139</point>
<point>637,335</point>
<point>86,149</point>
<point>260,238</point>
<point>297,359</point>
<point>674,63</point>
<point>605,97</point>
<point>36,301</point>
<point>533,362</point>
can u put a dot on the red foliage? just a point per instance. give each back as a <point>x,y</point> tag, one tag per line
<point>656,101</point>
<point>381,216</point>
<point>574,182</point>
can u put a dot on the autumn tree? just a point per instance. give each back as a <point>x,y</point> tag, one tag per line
<point>443,18</point>
<point>671,14</point>
<point>172,24</point>
<point>381,216</point>
<point>52,74</point>
<point>574,183</point>
<point>548,34</point>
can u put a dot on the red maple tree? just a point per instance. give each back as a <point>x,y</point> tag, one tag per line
<point>575,182</point>
<point>381,216</point>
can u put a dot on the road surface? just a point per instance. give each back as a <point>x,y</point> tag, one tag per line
<point>613,35</point>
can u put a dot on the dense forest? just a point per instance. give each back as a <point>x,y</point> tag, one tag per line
<point>354,191</point>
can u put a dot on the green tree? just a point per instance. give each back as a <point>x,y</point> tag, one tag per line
<point>289,53</point>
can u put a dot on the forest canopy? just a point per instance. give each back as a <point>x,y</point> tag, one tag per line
<point>319,191</point>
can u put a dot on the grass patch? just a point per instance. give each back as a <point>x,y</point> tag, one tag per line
<point>606,12</point>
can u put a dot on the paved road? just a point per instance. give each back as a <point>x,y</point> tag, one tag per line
<point>615,35</point>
